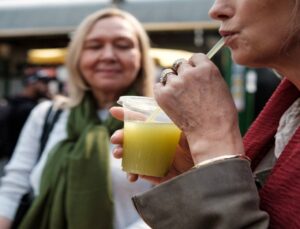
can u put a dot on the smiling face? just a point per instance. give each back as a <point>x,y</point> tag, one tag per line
<point>111,57</point>
<point>258,32</point>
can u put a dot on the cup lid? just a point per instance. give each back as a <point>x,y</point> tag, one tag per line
<point>138,103</point>
<point>144,105</point>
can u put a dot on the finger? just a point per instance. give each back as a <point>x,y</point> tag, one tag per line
<point>183,65</point>
<point>165,74</point>
<point>117,137</point>
<point>152,180</point>
<point>132,177</point>
<point>118,152</point>
<point>117,112</point>
<point>163,91</point>
<point>177,63</point>
<point>198,58</point>
<point>205,67</point>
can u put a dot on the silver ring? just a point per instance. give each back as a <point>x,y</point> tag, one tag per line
<point>164,75</point>
<point>177,63</point>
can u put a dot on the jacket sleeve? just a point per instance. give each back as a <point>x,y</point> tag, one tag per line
<point>222,195</point>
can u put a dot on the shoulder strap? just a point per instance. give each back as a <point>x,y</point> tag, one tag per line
<point>5,135</point>
<point>50,120</point>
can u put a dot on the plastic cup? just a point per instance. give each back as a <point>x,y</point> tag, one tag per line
<point>150,137</point>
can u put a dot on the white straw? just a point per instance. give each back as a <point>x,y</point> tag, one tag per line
<point>216,48</point>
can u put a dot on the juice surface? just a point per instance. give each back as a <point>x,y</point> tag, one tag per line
<point>149,147</point>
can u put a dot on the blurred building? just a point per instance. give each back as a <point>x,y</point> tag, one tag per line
<point>184,25</point>
<point>171,24</point>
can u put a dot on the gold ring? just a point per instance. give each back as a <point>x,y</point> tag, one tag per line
<point>164,75</point>
<point>177,63</point>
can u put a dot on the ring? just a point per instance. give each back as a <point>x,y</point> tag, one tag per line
<point>177,63</point>
<point>164,75</point>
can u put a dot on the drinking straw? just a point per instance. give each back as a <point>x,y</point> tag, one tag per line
<point>215,48</point>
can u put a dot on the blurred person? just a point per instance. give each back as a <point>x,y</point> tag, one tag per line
<point>18,107</point>
<point>267,82</point>
<point>4,115</point>
<point>212,183</point>
<point>77,183</point>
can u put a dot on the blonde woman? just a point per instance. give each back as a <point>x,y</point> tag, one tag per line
<point>76,182</point>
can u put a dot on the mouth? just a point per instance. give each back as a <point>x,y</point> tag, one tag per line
<point>108,70</point>
<point>228,35</point>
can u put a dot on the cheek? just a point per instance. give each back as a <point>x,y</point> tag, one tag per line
<point>134,64</point>
<point>84,65</point>
<point>86,61</point>
<point>254,48</point>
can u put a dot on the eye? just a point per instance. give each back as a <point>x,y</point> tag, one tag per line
<point>124,44</point>
<point>93,45</point>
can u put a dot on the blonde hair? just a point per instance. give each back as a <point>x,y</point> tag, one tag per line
<point>76,84</point>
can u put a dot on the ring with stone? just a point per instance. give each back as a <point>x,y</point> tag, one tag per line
<point>177,63</point>
<point>164,75</point>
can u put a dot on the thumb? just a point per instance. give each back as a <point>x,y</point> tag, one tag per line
<point>117,112</point>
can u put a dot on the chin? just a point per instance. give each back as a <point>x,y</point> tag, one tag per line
<point>238,59</point>
<point>109,88</point>
<point>246,60</point>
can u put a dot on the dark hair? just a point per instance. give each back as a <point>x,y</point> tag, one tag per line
<point>36,77</point>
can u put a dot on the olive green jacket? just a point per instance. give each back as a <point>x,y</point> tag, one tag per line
<point>222,195</point>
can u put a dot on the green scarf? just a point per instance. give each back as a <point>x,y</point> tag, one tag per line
<point>75,189</point>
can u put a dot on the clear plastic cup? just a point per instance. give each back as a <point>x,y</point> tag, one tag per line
<point>150,137</point>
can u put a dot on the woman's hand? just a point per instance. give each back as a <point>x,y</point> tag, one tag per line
<point>197,99</point>
<point>182,159</point>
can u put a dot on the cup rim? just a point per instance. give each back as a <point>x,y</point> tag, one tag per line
<point>136,99</point>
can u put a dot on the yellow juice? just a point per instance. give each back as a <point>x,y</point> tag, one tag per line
<point>149,147</point>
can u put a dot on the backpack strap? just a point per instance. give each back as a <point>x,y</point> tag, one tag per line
<point>50,120</point>
<point>26,200</point>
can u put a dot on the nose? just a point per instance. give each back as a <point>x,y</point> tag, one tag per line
<point>107,53</point>
<point>221,10</point>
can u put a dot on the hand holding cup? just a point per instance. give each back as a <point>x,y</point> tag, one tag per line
<point>182,160</point>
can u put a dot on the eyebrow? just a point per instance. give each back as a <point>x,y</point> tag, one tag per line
<point>121,38</point>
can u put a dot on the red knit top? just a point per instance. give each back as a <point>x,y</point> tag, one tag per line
<point>280,196</point>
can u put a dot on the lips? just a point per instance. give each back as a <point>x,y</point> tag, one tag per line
<point>225,33</point>
<point>228,36</point>
<point>110,70</point>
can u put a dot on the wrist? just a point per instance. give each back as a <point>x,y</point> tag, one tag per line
<point>202,150</point>
<point>221,158</point>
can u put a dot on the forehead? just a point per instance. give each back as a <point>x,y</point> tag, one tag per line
<point>111,27</point>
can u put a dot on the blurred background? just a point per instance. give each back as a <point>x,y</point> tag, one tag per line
<point>34,35</point>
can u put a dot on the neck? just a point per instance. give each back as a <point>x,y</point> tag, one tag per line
<point>105,100</point>
<point>289,68</point>
<point>292,75</point>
